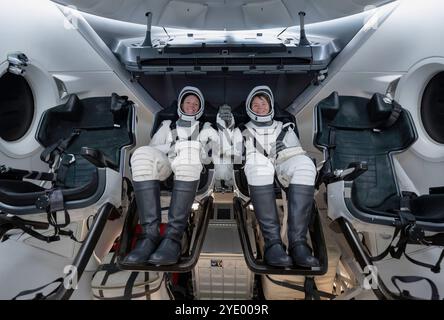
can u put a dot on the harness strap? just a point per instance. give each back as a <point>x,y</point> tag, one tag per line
<point>18,223</point>
<point>49,154</point>
<point>40,295</point>
<point>411,279</point>
<point>311,289</point>
<point>175,136</point>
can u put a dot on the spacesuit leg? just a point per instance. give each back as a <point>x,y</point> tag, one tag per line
<point>260,176</point>
<point>148,167</point>
<point>300,172</point>
<point>187,168</point>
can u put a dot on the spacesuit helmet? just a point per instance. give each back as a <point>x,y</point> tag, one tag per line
<point>264,91</point>
<point>186,91</point>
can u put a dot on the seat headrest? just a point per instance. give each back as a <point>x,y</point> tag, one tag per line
<point>379,108</point>
<point>71,110</point>
<point>330,105</point>
<point>358,112</point>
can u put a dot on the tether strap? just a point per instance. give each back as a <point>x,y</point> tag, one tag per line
<point>48,155</point>
<point>331,138</point>
<point>130,285</point>
<point>403,230</point>
<point>53,202</point>
<point>301,288</point>
<point>411,279</point>
<point>40,296</point>
<point>435,268</point>
<point>22,225</point>
<point>65,162</point>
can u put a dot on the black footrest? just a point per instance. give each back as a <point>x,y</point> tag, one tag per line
<point>185,264</point>
<point>259,267</point>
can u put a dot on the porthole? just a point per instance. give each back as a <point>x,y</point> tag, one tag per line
<point>432,108</point>
<point>16,107</point>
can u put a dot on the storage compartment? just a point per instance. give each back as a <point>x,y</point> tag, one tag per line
<point>221,272</point>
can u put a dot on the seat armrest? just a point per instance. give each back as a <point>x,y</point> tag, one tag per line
<point>354,170</point>
<point>436,190</point>
<point>18,174</point>
<point>97,158</point>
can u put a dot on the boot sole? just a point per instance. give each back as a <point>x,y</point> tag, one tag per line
<point>279,265</point>
<point>162,263</point>
<point>306,265</point>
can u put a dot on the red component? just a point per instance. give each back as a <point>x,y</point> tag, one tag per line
<point>137,232</point>
<point>162,228</point>
<point>175,278</point>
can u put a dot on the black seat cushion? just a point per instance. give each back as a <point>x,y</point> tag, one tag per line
<point>428,207</point>
<point>350,128</point>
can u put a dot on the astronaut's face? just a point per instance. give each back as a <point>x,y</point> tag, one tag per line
<point>191,105</point>
<point>260,106</point>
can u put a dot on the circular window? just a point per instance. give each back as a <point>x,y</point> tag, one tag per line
<point>432,108</point>
<point>16,107</point>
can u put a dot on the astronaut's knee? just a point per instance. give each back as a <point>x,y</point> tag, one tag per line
<point>301,170</point>
<point>187,172</point>
<point>145,164</point>
<point>259,175</point>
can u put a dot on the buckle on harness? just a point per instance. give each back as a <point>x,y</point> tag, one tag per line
<point>67,159</point>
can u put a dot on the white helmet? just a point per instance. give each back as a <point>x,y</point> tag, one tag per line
<point>186,91</point>
<point>260,90</point>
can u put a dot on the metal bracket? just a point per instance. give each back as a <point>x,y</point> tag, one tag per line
<point>17,62</point>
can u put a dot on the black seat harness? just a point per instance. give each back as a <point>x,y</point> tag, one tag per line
<point>410,233</point>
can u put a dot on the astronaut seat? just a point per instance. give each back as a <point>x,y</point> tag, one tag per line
<point>85,144</point>
<point>194,235</point>
<point>359,137</point>
<point>245,216</point>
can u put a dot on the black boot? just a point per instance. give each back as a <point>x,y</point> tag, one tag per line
<point>300,203</point>
<point>182,199</point>
<point>148,207</point>
<point>265,209</point>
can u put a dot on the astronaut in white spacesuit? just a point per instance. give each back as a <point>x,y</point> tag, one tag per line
<point>177,147</point>
<point>271,146</point>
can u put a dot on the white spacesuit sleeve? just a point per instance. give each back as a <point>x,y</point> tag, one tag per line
<point>237,142</point>
<point>292,148</point>
<point>291,139</point>
<point>162,138</point>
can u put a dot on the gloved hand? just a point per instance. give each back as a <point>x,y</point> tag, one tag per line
<point>209,140</point>
<point>225,117</point>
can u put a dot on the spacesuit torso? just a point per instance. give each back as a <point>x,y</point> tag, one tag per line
<point>170,133</point>
<point>264,137</point>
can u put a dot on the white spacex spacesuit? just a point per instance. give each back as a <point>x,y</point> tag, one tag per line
<point>178,148</point>
<point>271,146</point>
